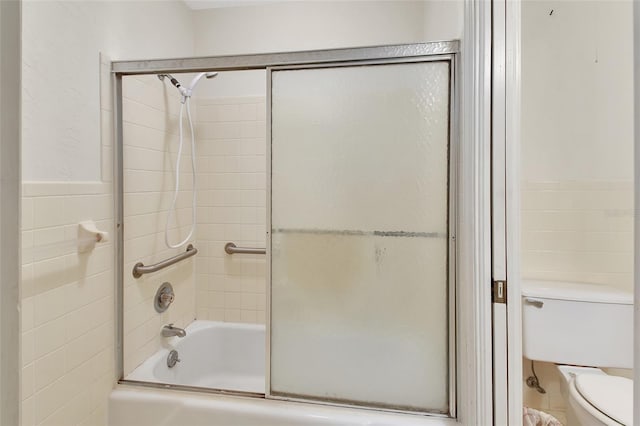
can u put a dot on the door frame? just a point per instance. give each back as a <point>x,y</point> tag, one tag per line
<point>10,207</point>
<point>636,254</point>
<point>506,122</point>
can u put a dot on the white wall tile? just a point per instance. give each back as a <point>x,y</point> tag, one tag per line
<point>87,345</point>
<point>27,313</point>
<point>65,295</point>
<point>578,231</point>
<point>28,383</point>
<point>150,143</point>
<point>28,347</point>
<point>49,337</point>
<point>49,368</point>
<point>231,193</point>
<point>28,412</point>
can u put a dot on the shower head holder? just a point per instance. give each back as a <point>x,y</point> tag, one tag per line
<point>187,92</point>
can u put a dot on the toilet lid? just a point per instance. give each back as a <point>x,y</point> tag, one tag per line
<point>612,395</point>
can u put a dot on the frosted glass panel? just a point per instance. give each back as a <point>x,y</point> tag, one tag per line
<point>359,244</point>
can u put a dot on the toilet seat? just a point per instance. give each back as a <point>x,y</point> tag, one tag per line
<point>611,395</point>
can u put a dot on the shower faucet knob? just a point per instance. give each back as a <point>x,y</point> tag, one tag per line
<point>164,297</point>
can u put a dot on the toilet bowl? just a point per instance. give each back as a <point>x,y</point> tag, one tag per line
<point>580,327</point>
<point>594,398</point>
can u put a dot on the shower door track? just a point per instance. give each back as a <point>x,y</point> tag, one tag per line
<point>406,53</point>
<point>268,60</point>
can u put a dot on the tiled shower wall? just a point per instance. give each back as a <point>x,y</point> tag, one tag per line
<point>574,231</point>
<point>231,208</point>
<point>578,231</point>
<point>67,297</point>
<point>67,306</point>
<point>150,127</point>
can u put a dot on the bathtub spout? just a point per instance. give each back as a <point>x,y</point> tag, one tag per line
<point>170,331</point>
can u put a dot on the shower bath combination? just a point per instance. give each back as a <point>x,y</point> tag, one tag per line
<point>262,151</point>
<point>186,98</point>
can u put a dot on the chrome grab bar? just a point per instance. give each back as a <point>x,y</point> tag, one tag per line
<point>139,269</point>
<point>231,248</point>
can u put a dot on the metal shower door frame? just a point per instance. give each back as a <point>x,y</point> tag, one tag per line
<point>421,52</point>
<point>453,127</point>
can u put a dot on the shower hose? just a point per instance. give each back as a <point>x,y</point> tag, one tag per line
<point>172,209</point>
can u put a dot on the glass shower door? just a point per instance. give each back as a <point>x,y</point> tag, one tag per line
<point>361,235</point>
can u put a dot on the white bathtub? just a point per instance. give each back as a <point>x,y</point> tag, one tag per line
<point>215,355</point>
<point>228,356</point>
<point>149,407</point>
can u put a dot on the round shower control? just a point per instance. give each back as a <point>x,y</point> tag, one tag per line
<point>164,297</point>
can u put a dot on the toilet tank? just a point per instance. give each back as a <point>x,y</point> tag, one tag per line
<point>577,324</point>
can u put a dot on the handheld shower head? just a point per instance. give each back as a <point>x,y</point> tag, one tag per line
<point>197,78</point>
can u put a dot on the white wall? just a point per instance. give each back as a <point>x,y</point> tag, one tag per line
<point>577,141</point>
<point>312,25</point>
<point>577,90</point>
<point>67,298</point>
<point>63,38</point>
<point>61,96</point>
<point>577,152</point>
<point>234,84</point>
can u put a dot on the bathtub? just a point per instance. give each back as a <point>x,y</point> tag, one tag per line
<point>232,357</point>
<point>214,355</point>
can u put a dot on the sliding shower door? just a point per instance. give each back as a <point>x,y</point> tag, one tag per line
<point>361,234</point>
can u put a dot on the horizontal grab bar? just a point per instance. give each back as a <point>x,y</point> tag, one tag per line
<point>139,269</point>
<point>231,248</point>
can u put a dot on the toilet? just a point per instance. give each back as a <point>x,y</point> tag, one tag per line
<point>581,328</point>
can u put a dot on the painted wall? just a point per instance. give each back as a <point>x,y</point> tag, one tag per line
<point>291,26</point>
<point>310,25</point>
<point>63,144</point>
<point>577,153</point>
<point>61,96</point>
<point>577,146</point>
<point>577,74</point>
<point>68,298</point>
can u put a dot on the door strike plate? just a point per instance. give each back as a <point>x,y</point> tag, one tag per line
<point>499,292</point>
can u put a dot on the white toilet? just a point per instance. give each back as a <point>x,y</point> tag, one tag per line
<point>581,327</point>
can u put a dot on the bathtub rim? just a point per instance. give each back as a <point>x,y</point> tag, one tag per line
<point>186,388</point>
<point>240,396</point>
<point>200,325</point>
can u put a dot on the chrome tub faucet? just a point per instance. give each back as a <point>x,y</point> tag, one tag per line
<point>170,331</point>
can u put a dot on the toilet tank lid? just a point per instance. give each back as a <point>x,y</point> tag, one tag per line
<point>565,290</point>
